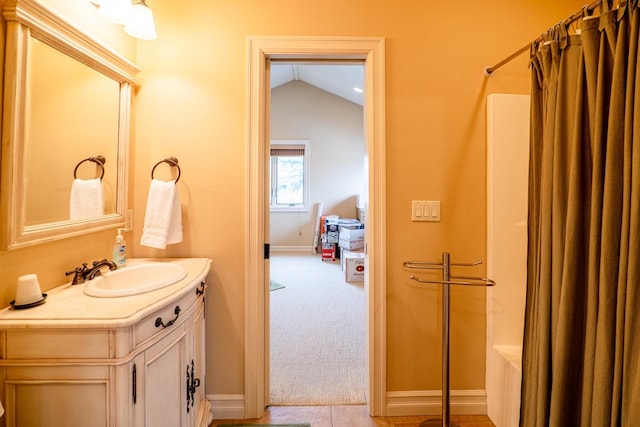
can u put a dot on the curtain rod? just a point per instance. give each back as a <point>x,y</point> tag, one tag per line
<point>488,71</point>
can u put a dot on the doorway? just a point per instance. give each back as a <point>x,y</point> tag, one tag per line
<point>316,317</point>
<point>261,51</point>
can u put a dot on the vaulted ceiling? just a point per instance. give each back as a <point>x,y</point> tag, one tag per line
<point>338,79</point>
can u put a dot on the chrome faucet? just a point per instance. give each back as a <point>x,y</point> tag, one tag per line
<point>81,274</point>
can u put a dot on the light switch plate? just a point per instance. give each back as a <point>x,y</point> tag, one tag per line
<point>425,210</point>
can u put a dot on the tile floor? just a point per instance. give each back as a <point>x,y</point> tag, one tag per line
<point>349,416</point>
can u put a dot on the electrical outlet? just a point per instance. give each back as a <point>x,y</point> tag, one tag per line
<point>128,220</point>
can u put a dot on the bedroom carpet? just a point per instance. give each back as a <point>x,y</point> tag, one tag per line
<point>317,334</point>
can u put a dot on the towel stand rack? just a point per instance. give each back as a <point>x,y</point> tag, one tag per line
<point>445,265</point>
<point>171,161</point>
<point>98,160</point>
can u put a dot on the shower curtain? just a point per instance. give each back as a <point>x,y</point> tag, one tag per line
<point>581,355</point>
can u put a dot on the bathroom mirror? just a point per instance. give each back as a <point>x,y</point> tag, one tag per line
<point>67,101</point>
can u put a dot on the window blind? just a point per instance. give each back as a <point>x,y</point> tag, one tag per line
<point>287,150</point>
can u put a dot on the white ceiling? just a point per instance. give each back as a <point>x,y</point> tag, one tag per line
<point>338,79</point>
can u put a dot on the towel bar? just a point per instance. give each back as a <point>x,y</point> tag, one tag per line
<point>445,265</point>
<point>171,161</point>
<point>99,160</point>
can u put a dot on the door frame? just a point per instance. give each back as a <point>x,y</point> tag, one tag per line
<point>371,51</point>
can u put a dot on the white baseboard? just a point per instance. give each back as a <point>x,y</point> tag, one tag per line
<point>461,402</point>
<point>297,249</point>
<point>227,406</point>
<point>399,403</point>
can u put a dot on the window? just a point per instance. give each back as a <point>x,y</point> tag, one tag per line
<point>289,175</point>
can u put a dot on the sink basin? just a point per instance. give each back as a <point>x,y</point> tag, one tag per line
<point>135,279</point>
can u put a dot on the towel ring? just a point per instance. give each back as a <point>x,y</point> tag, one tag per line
<point>98,160</point>
<point>172,161</point>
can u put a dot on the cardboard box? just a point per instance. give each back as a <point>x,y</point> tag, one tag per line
<point>331,226</point>
<point>343,253</point>
<point>351,234</point>
<point>331,230</point>
<point>329,252</point>
<point>334,227</point>
<point>353,266</point>
<point>330,237</point>
<point>351,245</point>
<point>351,239</point>
<point>349,222</point>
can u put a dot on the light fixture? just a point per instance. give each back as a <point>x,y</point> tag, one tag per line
<point>96,2</point>
<point>357,89</point>
<point>116,11</point>
<point>140,24</point>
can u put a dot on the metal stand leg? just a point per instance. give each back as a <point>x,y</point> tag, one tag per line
<point>445,421</point>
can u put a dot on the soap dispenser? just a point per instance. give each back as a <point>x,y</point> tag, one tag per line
<point>119,250</point>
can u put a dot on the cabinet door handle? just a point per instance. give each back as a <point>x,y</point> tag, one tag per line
<point>192,384</point>
<point>159,321</point>
<point>200,289</point>
<point>134,385</point>
<point>189,395</point>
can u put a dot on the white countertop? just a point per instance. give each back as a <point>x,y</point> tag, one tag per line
<point>67,306</point>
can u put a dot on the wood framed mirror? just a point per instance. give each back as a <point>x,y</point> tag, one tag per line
<point>66,103</point>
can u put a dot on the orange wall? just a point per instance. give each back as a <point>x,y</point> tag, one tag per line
<point>192,104</point>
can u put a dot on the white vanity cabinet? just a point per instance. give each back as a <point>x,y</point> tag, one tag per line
<point>129,361</point>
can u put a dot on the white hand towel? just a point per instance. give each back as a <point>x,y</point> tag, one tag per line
<point>163,218</point>
<point>87,199</point>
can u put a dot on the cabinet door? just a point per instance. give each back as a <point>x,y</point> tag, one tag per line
<point>200,409</point>
<point>162,382</point>
<point>70,396</point>
<point>37,404</point>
